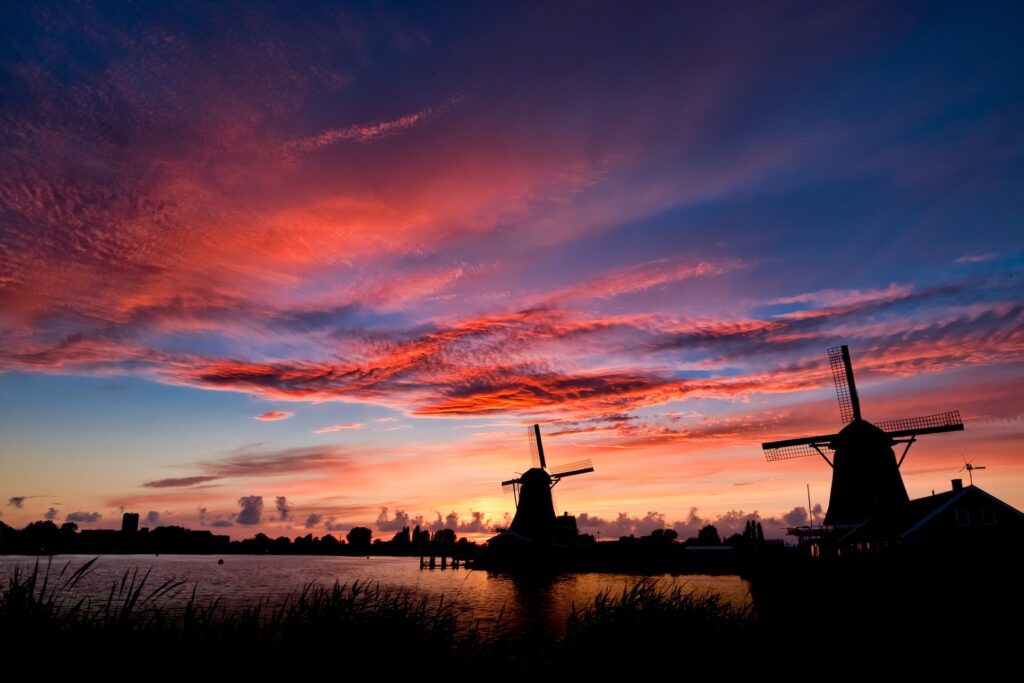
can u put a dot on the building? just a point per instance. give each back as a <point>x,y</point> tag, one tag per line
<point>964,522</point>
<point>130,523</point>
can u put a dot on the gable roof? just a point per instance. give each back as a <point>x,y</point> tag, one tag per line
<point>924,510</point>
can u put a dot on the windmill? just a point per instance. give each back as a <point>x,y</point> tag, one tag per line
<point>535,511</point>
<point>969,466</point>
<point>866,479</point>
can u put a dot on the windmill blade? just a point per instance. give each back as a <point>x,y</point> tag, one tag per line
<point>578,467</point>
<point>507,487</point>
<point>788,449</point>
<point>511,482</point>
<point>540,446</point>
<point>981,467</point>
<point>535,457</point>
<point>573,473</point>
<point>799,451</point>
<point>846,389</point>
<point>928,424</point>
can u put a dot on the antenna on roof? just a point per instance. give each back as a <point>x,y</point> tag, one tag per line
<point>970,467</point>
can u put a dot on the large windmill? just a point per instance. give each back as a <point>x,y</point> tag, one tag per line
<point>866,479</point>
<point>535,511</point>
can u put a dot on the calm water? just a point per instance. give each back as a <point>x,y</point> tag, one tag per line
<point>247,580</point>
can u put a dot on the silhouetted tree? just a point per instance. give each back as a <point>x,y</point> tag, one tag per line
<point>444,536</point>
<point>41,537</point>
<point>359,536</point>
<point>402,538</point>
<point>664,535</point>
<point>420,536</point>
<point>708,536</point>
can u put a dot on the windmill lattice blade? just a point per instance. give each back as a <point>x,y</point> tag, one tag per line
<point>824,439</point>
<point>534,455</point>
<point>773,454</point>
<point>509,482</point>
<point>835,360</point>
<point>929,424</point>
<point>572,473</point>
<point>568,467</point>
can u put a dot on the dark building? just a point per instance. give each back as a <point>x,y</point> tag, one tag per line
<point>964,521</point>
<point>130,523</point>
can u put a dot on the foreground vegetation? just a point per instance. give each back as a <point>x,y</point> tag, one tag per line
<point>363,629</point>
<point>391,631</point>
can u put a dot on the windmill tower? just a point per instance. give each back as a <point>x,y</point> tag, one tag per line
<point>866,479</point>
<point>535,511</point>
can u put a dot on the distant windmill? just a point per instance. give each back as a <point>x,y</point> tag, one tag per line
<point>969,467</point>
<point>535,511</point>
<point>866,477</point>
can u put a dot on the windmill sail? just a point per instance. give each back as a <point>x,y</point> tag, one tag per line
<point>572,469</point>
<point>846,389</point>
<point>803,449</point>
<point>536,449</point>
<point>928,424</point>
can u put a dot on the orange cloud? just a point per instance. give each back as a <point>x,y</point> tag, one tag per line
<point>338,428</point>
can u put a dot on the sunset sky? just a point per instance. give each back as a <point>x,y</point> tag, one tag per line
<point>284,268</point>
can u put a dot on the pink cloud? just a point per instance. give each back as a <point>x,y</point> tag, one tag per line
<point>274,415</point>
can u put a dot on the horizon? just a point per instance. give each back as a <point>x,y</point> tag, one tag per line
<point>297,270</point>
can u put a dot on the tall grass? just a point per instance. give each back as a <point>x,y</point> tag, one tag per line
<point>395,629</point>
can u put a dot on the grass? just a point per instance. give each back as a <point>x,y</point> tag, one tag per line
<point>396,630</point>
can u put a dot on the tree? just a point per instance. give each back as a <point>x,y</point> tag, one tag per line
<point>709,536</point>
<point>419,537</point>
<point>359,536</point>
<point>662,536</point>
<point>444,536</point>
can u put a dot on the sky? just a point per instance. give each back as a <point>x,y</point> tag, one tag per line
<point>295,267</point>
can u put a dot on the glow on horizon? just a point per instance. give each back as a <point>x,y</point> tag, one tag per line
<point>341,263</point>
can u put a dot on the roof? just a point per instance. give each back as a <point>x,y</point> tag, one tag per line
<point>917,514</point>
<point>924,510</point>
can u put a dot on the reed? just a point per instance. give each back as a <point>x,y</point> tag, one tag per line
<point>394,628</point>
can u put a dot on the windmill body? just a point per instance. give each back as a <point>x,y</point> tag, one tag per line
<point>535,513</point>
<point>535,518</point>
<point>866,480</point>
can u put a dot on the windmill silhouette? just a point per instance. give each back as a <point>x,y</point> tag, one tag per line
<point>866,479</point>
<point>969,466</point>
<point>535,510</point>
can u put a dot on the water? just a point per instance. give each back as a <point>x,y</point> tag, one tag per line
<point>245,580</point>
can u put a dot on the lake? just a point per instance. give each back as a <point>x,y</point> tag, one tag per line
<point>533,603</point>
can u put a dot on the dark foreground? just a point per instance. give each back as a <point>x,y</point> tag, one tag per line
<point>841,619</point>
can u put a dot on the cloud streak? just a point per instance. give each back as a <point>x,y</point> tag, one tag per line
<point>338,428</point>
